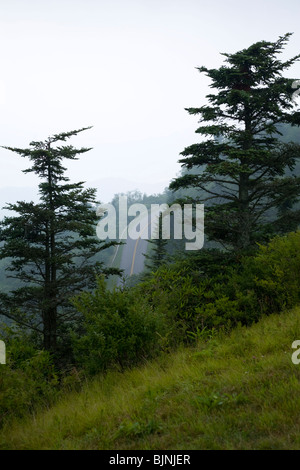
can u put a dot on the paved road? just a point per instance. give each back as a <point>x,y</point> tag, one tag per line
<point>132,258</point>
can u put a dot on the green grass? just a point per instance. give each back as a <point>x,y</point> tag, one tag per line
<point>235,392</point>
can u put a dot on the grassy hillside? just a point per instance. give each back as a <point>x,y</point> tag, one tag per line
<point>237,392</point>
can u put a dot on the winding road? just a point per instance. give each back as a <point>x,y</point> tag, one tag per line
<point>132,256</point>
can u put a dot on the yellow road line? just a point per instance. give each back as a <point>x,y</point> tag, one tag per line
<point>135,247</point>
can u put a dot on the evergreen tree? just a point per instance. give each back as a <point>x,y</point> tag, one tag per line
<point>52,244</point>
<point>244,180</point>
<point>159,251</point>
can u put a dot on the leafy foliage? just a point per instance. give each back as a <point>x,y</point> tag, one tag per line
<point>119,329</point>
<point>224,293</point>
<point>28,380</point>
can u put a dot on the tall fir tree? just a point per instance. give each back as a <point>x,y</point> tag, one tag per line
<point>244,181</point>
<point>159,248</point>
<point>52,244</point>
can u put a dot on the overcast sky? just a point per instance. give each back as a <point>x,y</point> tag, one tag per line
<point>126,67</point>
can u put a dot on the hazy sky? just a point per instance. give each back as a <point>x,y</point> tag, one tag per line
<point>126,67</point>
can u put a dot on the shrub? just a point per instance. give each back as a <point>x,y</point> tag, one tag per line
<point>262,284</point>
<point>28,379</point>
<point>120,329</point>
<point>274,272</point>
<point>200,296</point>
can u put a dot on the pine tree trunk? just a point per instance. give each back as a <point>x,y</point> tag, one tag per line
<point>50,313</point>
<point>50,343</point>
<point>245,225</point>
<point>244,239</point>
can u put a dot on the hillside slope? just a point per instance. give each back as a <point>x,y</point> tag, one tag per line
<point>236,392</point>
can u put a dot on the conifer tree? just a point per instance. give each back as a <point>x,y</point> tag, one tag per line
<point>159,250</point>
<point>52,244</point>
<point>245,178</point>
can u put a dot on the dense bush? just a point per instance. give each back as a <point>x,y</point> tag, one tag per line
<point>119,329</point>
<point>28,379</point>
<point>274,273</point>
<point>221,292</point>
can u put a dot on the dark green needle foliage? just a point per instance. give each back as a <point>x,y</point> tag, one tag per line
<point>159,249</point>
<point>246,177</point>
<point>52,244</point>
